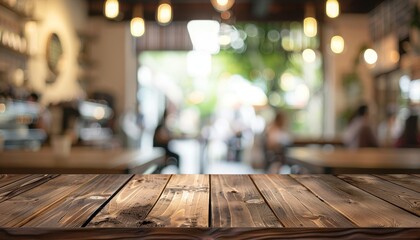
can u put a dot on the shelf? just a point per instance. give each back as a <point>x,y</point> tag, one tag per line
<point>15,12</point>
<point>14,52</point>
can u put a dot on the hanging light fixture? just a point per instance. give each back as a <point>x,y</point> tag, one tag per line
<point>337,44</point>
<point>137,25</point>
<point>222,5</point>
<point>309,55</point>
<point>370,56</point>
<point>164,12</point>
<point>111,8</point>
<point>332,8</point>
<point>310,25</point>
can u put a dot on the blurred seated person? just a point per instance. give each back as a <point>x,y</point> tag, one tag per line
<point>162,137</point>
<point>276,140</point>
<point>410,136</point>
<point>359,133</point>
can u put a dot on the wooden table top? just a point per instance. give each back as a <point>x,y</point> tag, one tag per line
<point>80,160</point>
<point>365,160</point>
<point>106,206</point>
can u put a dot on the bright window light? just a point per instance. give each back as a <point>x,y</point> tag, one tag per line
<point>198,63</point>
<point>414,93</point>
<point>204,35</point>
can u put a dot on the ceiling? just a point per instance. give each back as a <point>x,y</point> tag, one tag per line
<point>243,10</point>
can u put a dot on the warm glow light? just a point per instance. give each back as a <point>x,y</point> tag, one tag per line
<point>222,5</point>
<point>309,55</point>
<point>337,44</point>
<point>196,97</point>
<point>394,56</point>
<point>332,8</point>
<point>164,13</point>
<point>287,82</point>
<point>370,56</point>
<point>99,113</point>
<point>310,27</point>
<point>2,107</point>
<point>112,8</point>
<point>224,40</point>
<point>137,27</point>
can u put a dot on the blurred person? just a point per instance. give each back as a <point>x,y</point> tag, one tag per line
<point>162,137</point>
<point>359,133</point>
<point>277,139</point>
<point>410,136</point>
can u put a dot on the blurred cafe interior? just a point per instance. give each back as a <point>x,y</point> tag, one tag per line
<point>209,86</point>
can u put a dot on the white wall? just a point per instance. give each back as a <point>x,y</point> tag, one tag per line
<point>65,18</point>
<point>355,31</point>
<point>112,51</point>
<point>115,63</point>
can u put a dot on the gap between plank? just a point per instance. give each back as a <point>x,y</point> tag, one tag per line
<point>378,197</point>
<point>210,208</point>
<point>265,200</point>
<point>106,202</point>
<point>157,199</point>
<point>322,200</point>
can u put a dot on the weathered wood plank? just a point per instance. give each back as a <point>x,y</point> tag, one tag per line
<point>295,205</point>
<point>19,210</point>
<point>183,203</point>
<point>209,233</point>
<point>23,184</point>
<point>236,202</point>
<point>401,197</point>
<point>405,180</point>
<point>357,205</point>
<point>6,179</point>
<point>77,207</point>
<point>132,204</point>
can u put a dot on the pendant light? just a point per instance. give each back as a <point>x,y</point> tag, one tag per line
<point>111,8</point>
<point>332,8</point>
<point>370,56</point>
<point>337,44</point>
<point>164,12</point>
<point>137,24</point>
<point>222,5</point>
<point>310,25</point>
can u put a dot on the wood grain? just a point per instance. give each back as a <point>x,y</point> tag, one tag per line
<point>360,207</point>
<point>405,180</point>
<point>401,197</point>
<point>19,210</point>
<point>132,204</point>
<point>295,205</point>
<point>6,179</point>
<point>210,233</point>
<point>236,202</point>
<point>24,184</point>
<point>77,207</point>
<point>183,203</point>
